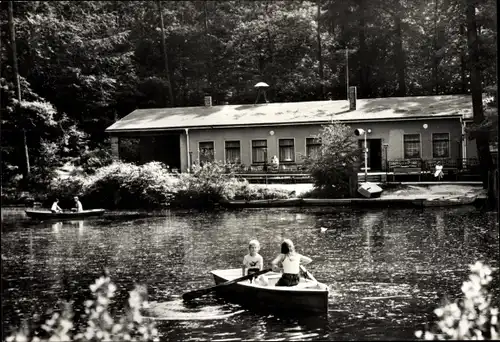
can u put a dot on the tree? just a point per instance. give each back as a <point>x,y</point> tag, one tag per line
<point>26,170</point>
<point>332,165</point>
<point>482,140</point>
<point>165,57</point>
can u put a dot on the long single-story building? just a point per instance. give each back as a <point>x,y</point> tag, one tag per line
<point>399,128</point>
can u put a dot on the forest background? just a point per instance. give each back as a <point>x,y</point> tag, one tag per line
<point>84,64</point>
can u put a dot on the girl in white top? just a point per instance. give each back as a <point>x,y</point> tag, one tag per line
<point>253,261</point>
<point>290,262</point>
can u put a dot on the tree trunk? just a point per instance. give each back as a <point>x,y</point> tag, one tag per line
<point>435,62</point>
<point>400,57</point>
<point>463,64</point>
<point>364,86</point>
<point>26,169</point>
<point>208,48</point>
<point>320,54</point>
<point>170,100</point>
<point>482,139</point>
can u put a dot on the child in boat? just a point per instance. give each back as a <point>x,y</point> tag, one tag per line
<point>290,262</point>
<point>252,262</point>
<point>78,205</point>
<point>55,207</point>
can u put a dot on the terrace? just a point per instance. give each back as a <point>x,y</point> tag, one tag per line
<point>396,170</point>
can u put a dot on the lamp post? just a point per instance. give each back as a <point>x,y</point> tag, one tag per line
<point>386,147</point>
<point>358,132</point>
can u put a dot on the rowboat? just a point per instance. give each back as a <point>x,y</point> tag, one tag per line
<point>308,296</point>
<point>445,202</point>
<point>47,214</point>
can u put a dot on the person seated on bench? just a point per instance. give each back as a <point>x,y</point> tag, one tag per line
<point>275,163</point>
<point>439,171</point>
<point>55,207</point>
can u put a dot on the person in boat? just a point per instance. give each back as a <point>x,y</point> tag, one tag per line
<point>78,205</point>
<point>253,261</point>
<point>55,207</point>
<point>289,261</point>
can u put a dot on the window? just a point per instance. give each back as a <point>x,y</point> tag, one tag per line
<point>441,145</point>
<point>259,151</point>
<point>287,150</point>
<point>233,152</point>
<point>312,146</point>
<point>206,151</point>
<point>411,146</point>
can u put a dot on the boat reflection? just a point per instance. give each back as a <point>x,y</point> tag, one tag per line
<point>77,224</point>
<point>56,227</point>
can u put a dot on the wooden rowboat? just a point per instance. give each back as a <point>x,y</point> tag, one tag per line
<point>47,214</point>
<point>307,296</point>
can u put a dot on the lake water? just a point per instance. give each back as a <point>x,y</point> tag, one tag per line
<point>387,268</point>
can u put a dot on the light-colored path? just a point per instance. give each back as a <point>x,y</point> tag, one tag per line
<point>402,191</point>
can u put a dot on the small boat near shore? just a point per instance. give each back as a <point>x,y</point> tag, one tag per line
<point>445,201</point>
<point>47,214</point>
<point>308,296</point>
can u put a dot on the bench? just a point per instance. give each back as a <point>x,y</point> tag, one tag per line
<point>450,166</point>
<point>407,171</point>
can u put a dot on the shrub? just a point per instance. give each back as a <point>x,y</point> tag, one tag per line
<point>65,189</point>
<point>470,318</point>
<point>248,193</point>
<point>206,185</point>
<point>100,324</point>
<point>335,160</point>
<point>92,160</point>
<point>122,185</point>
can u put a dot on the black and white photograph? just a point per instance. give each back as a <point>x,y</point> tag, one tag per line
<point>249,170</point>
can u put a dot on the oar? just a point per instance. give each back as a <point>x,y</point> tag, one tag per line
<point>198,293</point>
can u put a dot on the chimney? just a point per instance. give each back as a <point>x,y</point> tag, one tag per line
<point>208,101</point>
<point>352,98</point>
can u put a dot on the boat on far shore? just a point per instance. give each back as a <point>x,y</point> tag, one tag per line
<point>41,214</point>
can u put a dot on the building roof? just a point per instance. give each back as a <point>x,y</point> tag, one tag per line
<point>293,113</point>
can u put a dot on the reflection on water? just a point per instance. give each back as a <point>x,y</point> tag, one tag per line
<point>386,268</point>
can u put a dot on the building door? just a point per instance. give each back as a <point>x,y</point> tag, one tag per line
<point>374,154</point>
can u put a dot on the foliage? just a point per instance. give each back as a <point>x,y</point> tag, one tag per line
<point>335,160</point>
<point>122,185</point>
<point>470,318</point>
<point>248,192</point>
<point>93,62</point>
<point>91,160</point>
<point>100,325</point>
<point>206,185</point>
<point>152,185</point>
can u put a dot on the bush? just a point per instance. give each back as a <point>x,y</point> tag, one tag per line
<point>206,186</point>
<point>65,189</point>
<point>248,193</point>
<point>470,318</point>
<point>91,161</point>
<point>128,186</point>
<point>100,324</point>
<point>335,160</point>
